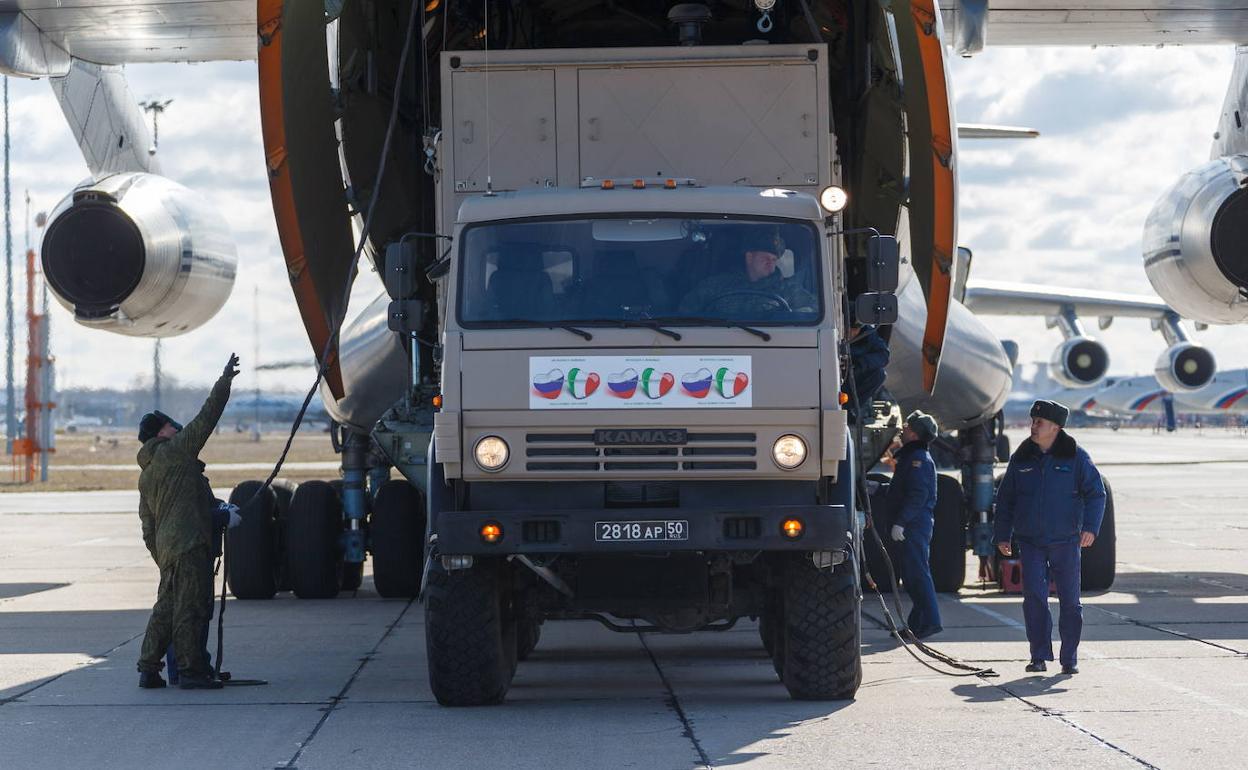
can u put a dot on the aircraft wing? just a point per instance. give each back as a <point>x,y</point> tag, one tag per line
<point>39,37</point>
<point>1095,22</point>
<point>1008,298</point>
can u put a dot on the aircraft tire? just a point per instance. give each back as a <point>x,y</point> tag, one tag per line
<point>879,519</point>
<point>528,634</point>
<point>1098,563</point>
<point>470,634</point>
<point>252,572</point>
<point>768,621</point>
<point>821,632</point>
<point>397,531</point>
<point>284,490</point>
<point>352,575</point>
<point>313,557</point>
<point>947,558</point>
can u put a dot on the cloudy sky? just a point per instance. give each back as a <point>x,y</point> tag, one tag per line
<point>1119,126</point>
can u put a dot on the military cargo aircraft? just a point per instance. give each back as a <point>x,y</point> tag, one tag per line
<point>369,155</point>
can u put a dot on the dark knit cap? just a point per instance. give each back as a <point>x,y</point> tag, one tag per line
<point>1051,411</point>
<point>924,425</point>
<point>762,239</point>
<point>151,424</point>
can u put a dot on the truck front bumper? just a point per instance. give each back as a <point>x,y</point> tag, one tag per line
<point>824,528</point>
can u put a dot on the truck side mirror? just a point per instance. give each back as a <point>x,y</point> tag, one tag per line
<point>400,276</point>
<point>883,263</point>
<point>406,316</point>
<point>875,308</point>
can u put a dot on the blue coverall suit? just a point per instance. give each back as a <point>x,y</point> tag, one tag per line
<point>912,501</point>
<point>1046,499</point>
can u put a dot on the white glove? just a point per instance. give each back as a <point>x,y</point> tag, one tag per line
<point>235,518</point>
<point>899,532</point>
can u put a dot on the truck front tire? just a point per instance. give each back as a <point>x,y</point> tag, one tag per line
<point>470,634</point>
<point>821,627</point>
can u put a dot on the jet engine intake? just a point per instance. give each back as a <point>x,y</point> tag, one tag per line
<point>1185,367</point>
<point>140,255</point>
<point>1079,362</point>
<point>1196,243</point>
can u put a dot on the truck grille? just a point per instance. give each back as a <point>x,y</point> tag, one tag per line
<point>563,452</point>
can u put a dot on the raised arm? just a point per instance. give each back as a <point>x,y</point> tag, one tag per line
<point>193,437</point>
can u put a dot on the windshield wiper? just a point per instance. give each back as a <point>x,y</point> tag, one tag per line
<point>547,324</point>
<point>695,319</point>
<point>632,323</point>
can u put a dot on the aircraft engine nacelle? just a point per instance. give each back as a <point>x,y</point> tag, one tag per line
<point>140,255</point>
<point>1079,362</point>
<point>1196,243</point>
<point>1185,367</point>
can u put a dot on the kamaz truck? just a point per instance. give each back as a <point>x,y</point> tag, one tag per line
<point>609,377</point>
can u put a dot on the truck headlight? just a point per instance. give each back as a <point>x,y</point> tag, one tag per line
<point>491,453</point>
<point>789,451</point>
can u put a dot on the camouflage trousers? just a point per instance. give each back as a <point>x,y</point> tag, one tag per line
<point>180,614</point>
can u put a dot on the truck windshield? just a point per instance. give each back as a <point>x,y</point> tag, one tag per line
<point>691,272</point>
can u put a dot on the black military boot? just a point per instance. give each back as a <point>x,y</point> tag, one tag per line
<point>1036,666</point>
<point>150,680</point>
<point>199,682</point>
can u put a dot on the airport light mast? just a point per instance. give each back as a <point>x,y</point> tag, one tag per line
<point>156,108</point>
<point>10,413</point>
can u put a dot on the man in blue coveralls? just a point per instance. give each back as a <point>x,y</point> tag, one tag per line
<point>1052,500</point>
<point>912,502</point>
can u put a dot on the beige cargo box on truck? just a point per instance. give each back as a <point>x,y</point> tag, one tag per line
<point>739,115</point>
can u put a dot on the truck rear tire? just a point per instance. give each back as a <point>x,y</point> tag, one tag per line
<point>313,560</point>
<point>821,643</point>
<point>947,558</point>
<point>1098,562</point>
<point>397,533</point>
<point>252,573</point>
<point>470,634</point>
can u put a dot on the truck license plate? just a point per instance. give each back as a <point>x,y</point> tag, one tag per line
<point>628,531</point>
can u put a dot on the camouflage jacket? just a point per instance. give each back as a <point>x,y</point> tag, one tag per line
<point>175,500</point>
<point>739,304</point>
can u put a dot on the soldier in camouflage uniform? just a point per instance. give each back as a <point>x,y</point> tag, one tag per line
<point>755,291</point>
<point>175,508</point>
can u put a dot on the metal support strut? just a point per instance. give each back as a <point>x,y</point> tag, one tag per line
<point>977,480</point>
<point>354,504</point>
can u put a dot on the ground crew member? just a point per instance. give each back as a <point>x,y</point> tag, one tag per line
<point>869,359</point>
<point>175,508</point>
<point>1052,500</point>
<point>912,502</point>
<point>224,516</point>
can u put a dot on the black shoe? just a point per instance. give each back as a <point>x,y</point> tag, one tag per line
<point>224,676</point>
<point>1036,666</point>
<point>192,682</point>
<point>150,680</point>
<point>929,631</point>
<point>1070,670</point>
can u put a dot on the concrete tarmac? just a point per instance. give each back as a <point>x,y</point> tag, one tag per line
<point>1164,680</point>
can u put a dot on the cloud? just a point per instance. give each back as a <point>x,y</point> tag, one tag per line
<point>1119,126</point>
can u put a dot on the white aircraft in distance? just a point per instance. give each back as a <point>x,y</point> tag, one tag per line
<point>813,131</point>
<point>1226,393</point>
